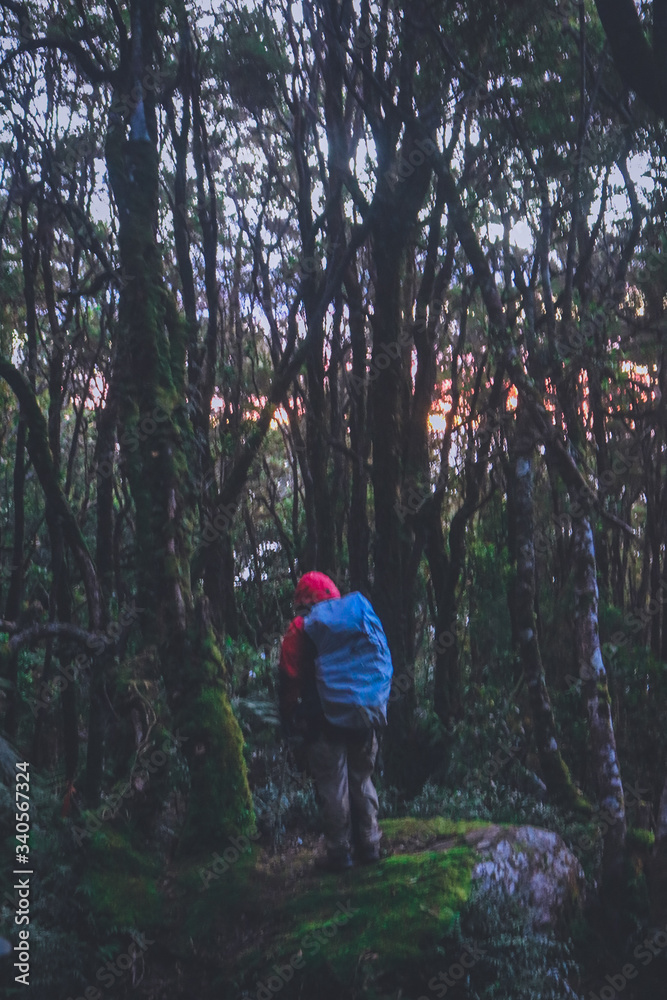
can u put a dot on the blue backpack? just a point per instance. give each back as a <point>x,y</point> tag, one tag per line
<point>353,665</point>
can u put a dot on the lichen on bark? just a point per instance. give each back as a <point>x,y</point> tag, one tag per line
<point>604,759</point>
<point>156,441</point>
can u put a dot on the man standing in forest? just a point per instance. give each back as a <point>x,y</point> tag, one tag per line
<point>334,682</point>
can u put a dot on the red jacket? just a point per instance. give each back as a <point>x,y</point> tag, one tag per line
<point>297,665</point>
<point>296,670</point>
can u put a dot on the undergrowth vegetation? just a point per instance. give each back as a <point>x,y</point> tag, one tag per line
<point>414,915</point>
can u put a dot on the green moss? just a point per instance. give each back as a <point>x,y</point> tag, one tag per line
<point>220,801</point>
<point>426,830</point>
<point>582,806</point>
<point>217,897</point>
<point>394,915</point>
<point>602,691</point>
<point>120,883</point>
<point>643,839</point>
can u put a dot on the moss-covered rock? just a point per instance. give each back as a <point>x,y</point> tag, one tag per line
<point>533,864</point>
<point>394,922</point>
<point>376,923</point>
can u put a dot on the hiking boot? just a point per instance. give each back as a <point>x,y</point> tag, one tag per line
<point>368,854</point>
<point>335,861</point>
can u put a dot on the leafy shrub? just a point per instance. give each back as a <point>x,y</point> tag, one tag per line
<point>519,962</point>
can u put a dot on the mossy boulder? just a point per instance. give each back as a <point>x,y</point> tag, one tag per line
<point>322,931</point>
<point>528,862</point>
<point>532,864</point>
<point>393,921</point>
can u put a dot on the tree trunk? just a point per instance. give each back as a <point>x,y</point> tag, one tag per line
<point>663,651</point>
<point>388,392</point>
<point>97,715</point>
<point>15,592</point>
<point>661,826</point>
<point>554,769</point>
<point>604,759</point>
<point>156,447</point>
<point>358,530</point>
<point>317,451</point>
<point>654,610</point>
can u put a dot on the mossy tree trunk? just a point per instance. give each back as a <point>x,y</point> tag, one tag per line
<point>604,759</point>
<point>156,445</point>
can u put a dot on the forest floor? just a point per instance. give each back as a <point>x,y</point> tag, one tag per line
<point>274,923</point>
<point>344,933</point>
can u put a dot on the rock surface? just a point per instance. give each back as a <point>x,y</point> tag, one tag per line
<point>404,910</point>
<point>533,864</point>
<point>528,862</point>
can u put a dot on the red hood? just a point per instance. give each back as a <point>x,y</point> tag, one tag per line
<point>313,588</point>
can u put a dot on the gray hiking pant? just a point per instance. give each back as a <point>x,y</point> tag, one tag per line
<point>341,762</point>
